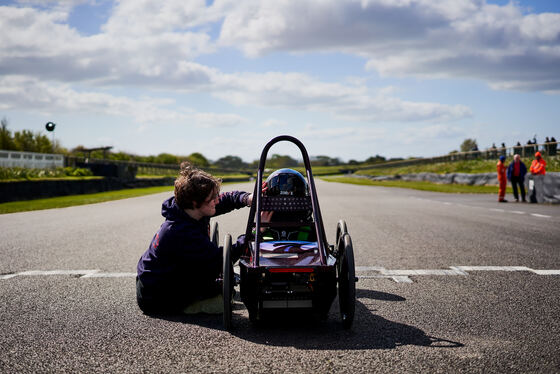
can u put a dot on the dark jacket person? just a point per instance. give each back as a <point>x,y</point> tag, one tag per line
<point>181,264</point>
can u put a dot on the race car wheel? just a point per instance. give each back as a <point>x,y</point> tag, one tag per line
<point>346,281</point>
<point>227,284</point>
<point>341,229</point>
<point>215,234</point>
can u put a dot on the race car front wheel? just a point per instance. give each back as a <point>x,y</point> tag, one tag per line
<point>346,281</point>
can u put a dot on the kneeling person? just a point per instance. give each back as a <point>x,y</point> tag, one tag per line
<point>181,265</point>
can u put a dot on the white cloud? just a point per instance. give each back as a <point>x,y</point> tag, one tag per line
<point>448,38</point>
<point>274,123</point>
<point>145,44</point>
<point>49,97</point>
<point>351,102</point>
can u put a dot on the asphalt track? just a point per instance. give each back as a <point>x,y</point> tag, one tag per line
<point>448,283</point>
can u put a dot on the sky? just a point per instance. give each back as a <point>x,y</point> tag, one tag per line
<point>349,78</point>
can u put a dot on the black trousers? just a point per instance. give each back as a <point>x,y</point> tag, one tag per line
<point>517,181</point>
<point>173,300</point>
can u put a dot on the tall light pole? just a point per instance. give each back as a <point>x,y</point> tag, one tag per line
<point>50,128</point>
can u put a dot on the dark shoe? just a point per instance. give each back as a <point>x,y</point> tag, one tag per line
<point>502,201</point>
<point>516,200</point>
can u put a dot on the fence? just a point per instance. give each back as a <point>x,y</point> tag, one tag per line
<point>529,150</point>
<point>30,160</point>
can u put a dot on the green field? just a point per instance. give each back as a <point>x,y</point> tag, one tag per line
<point>66,201</point>
<point>472,166</point>
<point>424,186</point>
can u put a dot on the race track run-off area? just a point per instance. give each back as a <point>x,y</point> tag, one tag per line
<point>447,283</point>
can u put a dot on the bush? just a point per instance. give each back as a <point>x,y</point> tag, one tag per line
<point>23,173</point>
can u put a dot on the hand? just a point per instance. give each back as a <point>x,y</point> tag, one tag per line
<point>265,218</point>
<point>264,188</point>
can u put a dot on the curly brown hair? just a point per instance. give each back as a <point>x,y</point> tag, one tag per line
<point>194,185</point>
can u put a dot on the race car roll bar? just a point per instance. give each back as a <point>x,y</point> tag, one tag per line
<point>257,197</point>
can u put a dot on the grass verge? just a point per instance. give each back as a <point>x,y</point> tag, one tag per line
<point>66,201</point>
<point>471,166</point>
<point>423,186</point>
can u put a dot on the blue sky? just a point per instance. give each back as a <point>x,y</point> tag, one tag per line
<point>350,78</point>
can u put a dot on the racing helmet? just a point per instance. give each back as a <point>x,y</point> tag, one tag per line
<point>286,182</point>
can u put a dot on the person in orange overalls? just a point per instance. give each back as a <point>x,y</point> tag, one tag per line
<point>502,179</point>
<point>538,170</point>
<point>538,166</point>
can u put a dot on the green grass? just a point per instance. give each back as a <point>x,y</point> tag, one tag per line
<point>67,178</point>
<point>423,186</point>
<point>472,166</point>
<point>66,201</point>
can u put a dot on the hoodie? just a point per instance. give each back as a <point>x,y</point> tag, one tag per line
<point>181,261</point>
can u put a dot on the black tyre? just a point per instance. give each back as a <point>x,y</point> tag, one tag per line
<point>215,234</point>
<point>341,229</point>
<point>346,281</point>
<point>227,284</point>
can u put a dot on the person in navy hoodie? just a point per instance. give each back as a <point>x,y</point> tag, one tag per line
<point>180,267</point>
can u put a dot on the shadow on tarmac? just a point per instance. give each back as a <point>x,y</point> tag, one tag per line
<point>369,330</point>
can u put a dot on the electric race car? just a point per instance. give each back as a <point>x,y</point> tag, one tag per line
<point>288,264</point>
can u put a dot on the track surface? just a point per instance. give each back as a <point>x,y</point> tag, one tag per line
<point>449,283</point>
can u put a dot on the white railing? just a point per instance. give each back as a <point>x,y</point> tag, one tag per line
<point>31,160</point>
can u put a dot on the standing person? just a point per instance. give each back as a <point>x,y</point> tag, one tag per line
<point>553,146</point>
<point>502,180</point>
<point>516,175</point>
<point>538,170</point>
<point>538,166</point>
<point>180,267</point>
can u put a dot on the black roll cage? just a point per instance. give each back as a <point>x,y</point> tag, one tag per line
<point>257,201</point>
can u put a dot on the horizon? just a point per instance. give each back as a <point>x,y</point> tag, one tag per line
<point>350,79</point>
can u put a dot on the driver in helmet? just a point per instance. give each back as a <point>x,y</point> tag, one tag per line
<point>288,182</point>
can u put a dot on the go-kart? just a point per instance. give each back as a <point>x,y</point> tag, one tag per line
<point>289,274</point>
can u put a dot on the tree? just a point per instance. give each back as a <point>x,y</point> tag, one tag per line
<point>198,160</point>
<point>375,159</point>
<point>469,145</point>
<point>6,141</point>
<point>166,158</point>
<point>280,161</point>
<point>324,161</point>
<point>230,162</point>
<point>24,141</point>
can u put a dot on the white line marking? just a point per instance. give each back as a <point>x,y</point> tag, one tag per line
<point>402,275</point>
<point>368,268</point>
<point>546,272</point>
<point>540,215</point>
<point>109,275</point>
<point>497,210</point>
<point>421,272</point>
<point>397,275</point>
<point>494,268</point>
<point>397,278</point>
<point>458,271</point>
<point>57,272</point>
<point>517,212</point>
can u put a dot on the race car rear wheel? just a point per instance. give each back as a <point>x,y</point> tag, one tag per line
<point>346,281</point>
<point>227,284</point>
<point>215,234</point>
